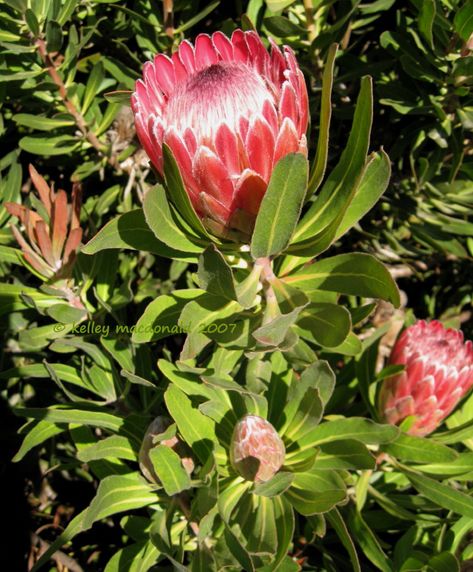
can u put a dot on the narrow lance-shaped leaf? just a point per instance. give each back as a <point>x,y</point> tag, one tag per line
<point>164,221</point>
<point>281,206</point>
<point>441,494</point>
<point>321,154</point>
<point>196,429</point>
<point>215,275</point>
<point>167,465</point>
<point>178,193</point>
<point>374,182</point>
<point>130,230</point>
<point>354,274</point>
<point>319,225</point>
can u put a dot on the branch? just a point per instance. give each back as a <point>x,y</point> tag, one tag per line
<point>71,108</point>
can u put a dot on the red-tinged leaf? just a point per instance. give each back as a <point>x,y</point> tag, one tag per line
<point>38,264</point>
<point>59,223</point>
<point>42,187</point>
<point>72,244</point>
<point>16,210</point>
<point>44,243</point>
<point>30,221</point>
<point>76,206</point>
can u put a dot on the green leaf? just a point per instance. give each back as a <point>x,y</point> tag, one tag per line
<point>373,183</point>
<point>198,17</point>
<point>160,318</point>
<point>442,495</point>
<point>64,372</point>
<point>32,22</point>
<point>42,123</point>
<point>38,434</point>
<point>94,416</point>
<point>234,543</point>
<point>178,194</point>
<point>315,491</point>
<point>207,313</point>
<point>365,537</point>
<point>320,161</point>
<point>231,493</point>
<point>74,527</point>
<point>284,523</point>
<point>426,20</point>
<point>215,275</point>
<point>282,27</point>
<point>168,466</point>
<point>196,429</point>
<point>273,333</point>
<point>275,486</point>
<point>318,227</point>
<point>203,559</point>
<point>320,379</point>
<point>130,230</point>
<point>462,465</point>
<point>354,274</point>
<point>66,314</point>
<point>118,493</point>
<point>345,454</point>
<point>163,220</point>
<point>280,207</point>
<point>351,346</point>
<point>419,450</point>
<point>59,145</point>
<point>96,77</point>
<point>119,96</point>
<point>358,428</point>
<point>138,557</point>
<point>53,36</point>
<point>306,417</point>
<point>444,562</point>
<point>326,324</point>
<point>115,447</point>
<point>338,524</point>
<point>463,21</point>
<point>10,255</point>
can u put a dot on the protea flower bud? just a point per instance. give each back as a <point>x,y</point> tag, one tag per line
<point>228,110</point>
<point>151,439</point>
<point>256,450</point>
<point>438,373</point>
<point>53,234</point>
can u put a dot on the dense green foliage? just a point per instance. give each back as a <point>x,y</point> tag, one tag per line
<point>159,319</point>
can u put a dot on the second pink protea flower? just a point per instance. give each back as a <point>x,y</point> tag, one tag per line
<point>438,373</point>
<point>256,451</point>
<point>228,110</point>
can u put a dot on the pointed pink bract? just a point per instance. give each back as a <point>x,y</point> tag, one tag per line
<point>438,373</point>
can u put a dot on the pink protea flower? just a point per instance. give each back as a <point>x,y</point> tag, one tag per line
<point>438,373</point>
<point>228,110</point>
<point>256,450</point>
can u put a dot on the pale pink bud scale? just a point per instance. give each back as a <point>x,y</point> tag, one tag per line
<point>256,450</point>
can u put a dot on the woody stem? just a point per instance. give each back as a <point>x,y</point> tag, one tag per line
<point>71,108</point>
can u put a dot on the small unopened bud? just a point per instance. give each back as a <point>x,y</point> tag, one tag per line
<point>157,427</point>
<point>256,450</point>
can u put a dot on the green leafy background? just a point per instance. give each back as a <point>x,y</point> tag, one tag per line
<point>390,196</point>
